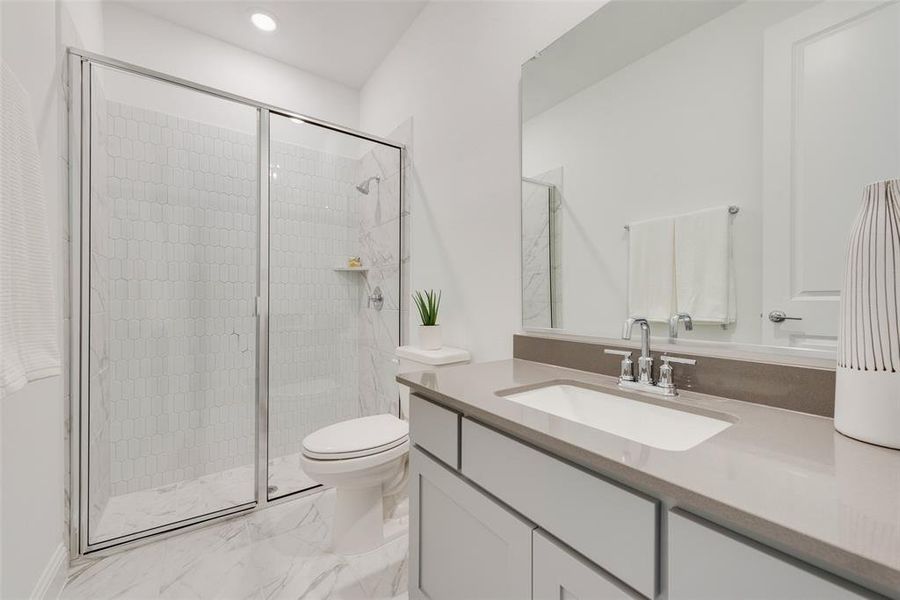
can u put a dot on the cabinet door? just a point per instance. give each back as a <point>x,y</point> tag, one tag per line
<point>462,544</point>
<point>707,562</point>
<point>558,573</point>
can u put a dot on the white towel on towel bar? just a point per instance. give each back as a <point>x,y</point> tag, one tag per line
<point>650,269</point>
<point>704,269</point>
<point>29,348</point>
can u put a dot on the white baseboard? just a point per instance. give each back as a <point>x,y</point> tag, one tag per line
<point>51,581</point>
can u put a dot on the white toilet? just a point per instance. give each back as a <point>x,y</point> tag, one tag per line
<point>366,459</point>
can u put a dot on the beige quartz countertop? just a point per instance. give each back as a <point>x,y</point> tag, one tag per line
<point>787,479</point>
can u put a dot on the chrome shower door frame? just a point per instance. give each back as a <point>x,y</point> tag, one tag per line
<point>80,67</point>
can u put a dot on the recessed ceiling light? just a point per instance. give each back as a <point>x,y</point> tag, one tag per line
<point>263,21</point>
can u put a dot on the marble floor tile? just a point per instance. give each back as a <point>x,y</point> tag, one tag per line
<point>287,476</point>
<point>145,509</point>
<point>280,552</point>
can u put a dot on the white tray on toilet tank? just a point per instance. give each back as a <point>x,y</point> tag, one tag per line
<point>410,359</point>
<point>441,357</point>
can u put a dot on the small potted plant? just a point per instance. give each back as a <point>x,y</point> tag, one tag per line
<point>428,303</point>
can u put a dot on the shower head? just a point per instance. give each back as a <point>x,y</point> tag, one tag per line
<point>364,186</point>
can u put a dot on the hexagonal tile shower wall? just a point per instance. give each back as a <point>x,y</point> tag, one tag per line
<point>174,262</point>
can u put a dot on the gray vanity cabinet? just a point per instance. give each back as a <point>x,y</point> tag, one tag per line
<point>462,543</point>
<point>614,527</point>
<point>494,518</point>
<point>559,573</point>
<point>707,562</point>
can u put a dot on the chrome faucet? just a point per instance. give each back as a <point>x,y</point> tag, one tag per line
<point>666,384</point>
<point>673,323</point>
<point>645,362</point>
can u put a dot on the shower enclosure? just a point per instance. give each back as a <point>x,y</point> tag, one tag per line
<point>541,244</point>
<point>216,322</point>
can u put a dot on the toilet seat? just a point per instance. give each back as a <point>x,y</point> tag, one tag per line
<point>356,438</point>
<point>352,472</point>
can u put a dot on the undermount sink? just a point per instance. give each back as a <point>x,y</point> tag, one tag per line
<point>642,422</point>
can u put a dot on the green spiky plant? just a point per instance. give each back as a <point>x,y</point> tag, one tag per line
<point>428,303</point>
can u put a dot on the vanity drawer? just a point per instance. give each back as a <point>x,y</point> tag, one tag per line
<point>706,561</point>
<point>435,429</point>
<point>611,526</point>
<point>558,573</point>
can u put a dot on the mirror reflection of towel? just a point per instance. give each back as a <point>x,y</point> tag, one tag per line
<point>704,266</point>
<point>650,268</point>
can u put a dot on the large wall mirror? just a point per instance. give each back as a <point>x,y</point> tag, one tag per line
<point>705,159</point>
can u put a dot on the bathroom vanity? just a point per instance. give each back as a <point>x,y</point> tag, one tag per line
<point>514,499</point>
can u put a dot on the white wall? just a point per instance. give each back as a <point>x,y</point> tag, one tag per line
<point>677,130</point>
<point>456,73</point>
<point>147,41</point>
<point>32,436</point>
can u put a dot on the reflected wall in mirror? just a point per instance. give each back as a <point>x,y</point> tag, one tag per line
<point>662,115</point>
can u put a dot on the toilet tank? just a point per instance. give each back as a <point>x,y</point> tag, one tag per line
<point>410,358</point>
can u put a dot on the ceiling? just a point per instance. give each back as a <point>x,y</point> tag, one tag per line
<point>341,40</point>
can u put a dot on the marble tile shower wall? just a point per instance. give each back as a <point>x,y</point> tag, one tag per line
<point>182,281</point>
<point>380,233</point>
<point>313,353</point>
<point>536,305</point>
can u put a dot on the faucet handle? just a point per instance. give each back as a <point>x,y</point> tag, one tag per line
<point>678,359</point>
<point>617,352</point>
<point>666,380</point>
<point>626,367</point>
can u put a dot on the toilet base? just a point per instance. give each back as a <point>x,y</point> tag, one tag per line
<point>360,484</point>
<point>358,520</point>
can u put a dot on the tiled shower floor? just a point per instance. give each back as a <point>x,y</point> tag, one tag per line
<point>278,552</point>
<point>146,509</point>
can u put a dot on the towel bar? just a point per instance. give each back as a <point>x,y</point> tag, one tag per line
<point>733,210</point>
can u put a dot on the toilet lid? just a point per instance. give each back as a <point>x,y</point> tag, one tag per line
<point>357,437</point>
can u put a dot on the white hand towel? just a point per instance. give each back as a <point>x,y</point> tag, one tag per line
<point>704,270</point>
<point>650,269</point>
<point>29,348</point>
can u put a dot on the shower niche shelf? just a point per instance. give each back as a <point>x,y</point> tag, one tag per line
<point>352,269</point>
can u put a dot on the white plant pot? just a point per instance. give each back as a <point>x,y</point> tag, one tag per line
<point>867,391</point>
<point>430,337</point>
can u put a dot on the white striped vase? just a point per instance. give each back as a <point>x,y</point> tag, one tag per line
<point>867,394</point>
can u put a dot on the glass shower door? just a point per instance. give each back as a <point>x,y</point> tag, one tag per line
<point>173,226</point>
<point>333,327</point>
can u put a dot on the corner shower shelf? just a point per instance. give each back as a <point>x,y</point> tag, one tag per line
<point>352,269</point>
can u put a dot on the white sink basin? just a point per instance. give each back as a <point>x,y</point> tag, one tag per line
<point>642,422</point>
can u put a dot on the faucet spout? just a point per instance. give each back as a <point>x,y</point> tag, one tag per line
<point>645,363</point>
<point>674,320</point>
<point>626,329</point>
<point>645,333</point>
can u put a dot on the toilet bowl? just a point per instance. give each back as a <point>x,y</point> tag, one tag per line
<point>362,458</point>
<point>366,459</point>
